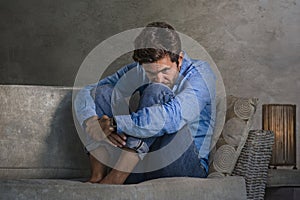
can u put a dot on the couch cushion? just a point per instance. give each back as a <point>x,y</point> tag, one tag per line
<point>229,188</point>
<point>38,138</point>
<point>238,120</point>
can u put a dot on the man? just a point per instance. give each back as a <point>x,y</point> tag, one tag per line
<point>176,94</point>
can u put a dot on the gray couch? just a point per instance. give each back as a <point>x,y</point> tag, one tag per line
<point>42,156</point>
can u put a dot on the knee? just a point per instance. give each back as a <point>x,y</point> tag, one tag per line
<point>156,93</point>
<point>103,92</point>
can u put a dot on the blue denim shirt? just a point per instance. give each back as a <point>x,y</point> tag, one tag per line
<point>193,104</point>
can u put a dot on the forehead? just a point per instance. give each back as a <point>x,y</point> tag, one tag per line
<point>160,64</point>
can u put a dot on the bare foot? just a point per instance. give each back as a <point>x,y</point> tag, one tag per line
<point>95,178</point>
<point>115,177</point>
<point>98,170</point>
<point>124,166</point>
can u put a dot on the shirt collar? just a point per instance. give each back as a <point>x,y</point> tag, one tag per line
<point>186,62</point>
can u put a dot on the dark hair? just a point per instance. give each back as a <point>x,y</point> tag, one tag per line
<point>157,40</point>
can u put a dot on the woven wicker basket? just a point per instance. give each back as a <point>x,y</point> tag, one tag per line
<point>254,161</point>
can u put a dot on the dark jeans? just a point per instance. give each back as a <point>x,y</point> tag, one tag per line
<point>188,164</point>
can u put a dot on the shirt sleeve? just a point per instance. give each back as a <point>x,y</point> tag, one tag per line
<point>84,103</point>
<point>196,92</point>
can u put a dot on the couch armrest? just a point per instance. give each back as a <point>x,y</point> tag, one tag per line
<point>253,162</point>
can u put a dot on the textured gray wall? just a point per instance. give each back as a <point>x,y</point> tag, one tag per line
<point>255,43</point>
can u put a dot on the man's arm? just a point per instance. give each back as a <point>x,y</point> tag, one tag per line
<point>198,91</point>
<point>101,129</point>
<point>84,104</point>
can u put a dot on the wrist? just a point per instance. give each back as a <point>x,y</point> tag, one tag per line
<point>113,123</point>
<point>86,120</point>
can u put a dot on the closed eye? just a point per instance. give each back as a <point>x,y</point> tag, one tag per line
<point>165,70</point>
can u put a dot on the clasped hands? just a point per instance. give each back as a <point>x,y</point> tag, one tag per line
<point>102,129</point>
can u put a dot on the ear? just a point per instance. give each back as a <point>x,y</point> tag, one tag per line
<point>180,59</point>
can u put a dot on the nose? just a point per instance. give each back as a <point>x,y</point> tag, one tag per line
<point>158,78</point>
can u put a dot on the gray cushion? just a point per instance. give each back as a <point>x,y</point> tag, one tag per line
<point>38,138</point>
<point>229,188</point>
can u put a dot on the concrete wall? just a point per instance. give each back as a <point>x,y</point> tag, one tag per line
<point>255,43</point>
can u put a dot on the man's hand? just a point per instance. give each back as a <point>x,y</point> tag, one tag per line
<point>93,128</point>
<point>106,125</point>
<point>117,139</point>
<point>101,129</point>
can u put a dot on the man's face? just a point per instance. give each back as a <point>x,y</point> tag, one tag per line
<point>163,71</point>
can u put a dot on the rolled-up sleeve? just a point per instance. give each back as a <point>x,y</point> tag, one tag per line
<point>84,104</point>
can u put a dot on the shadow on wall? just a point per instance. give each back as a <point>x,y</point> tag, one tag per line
<point>64,149</point>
